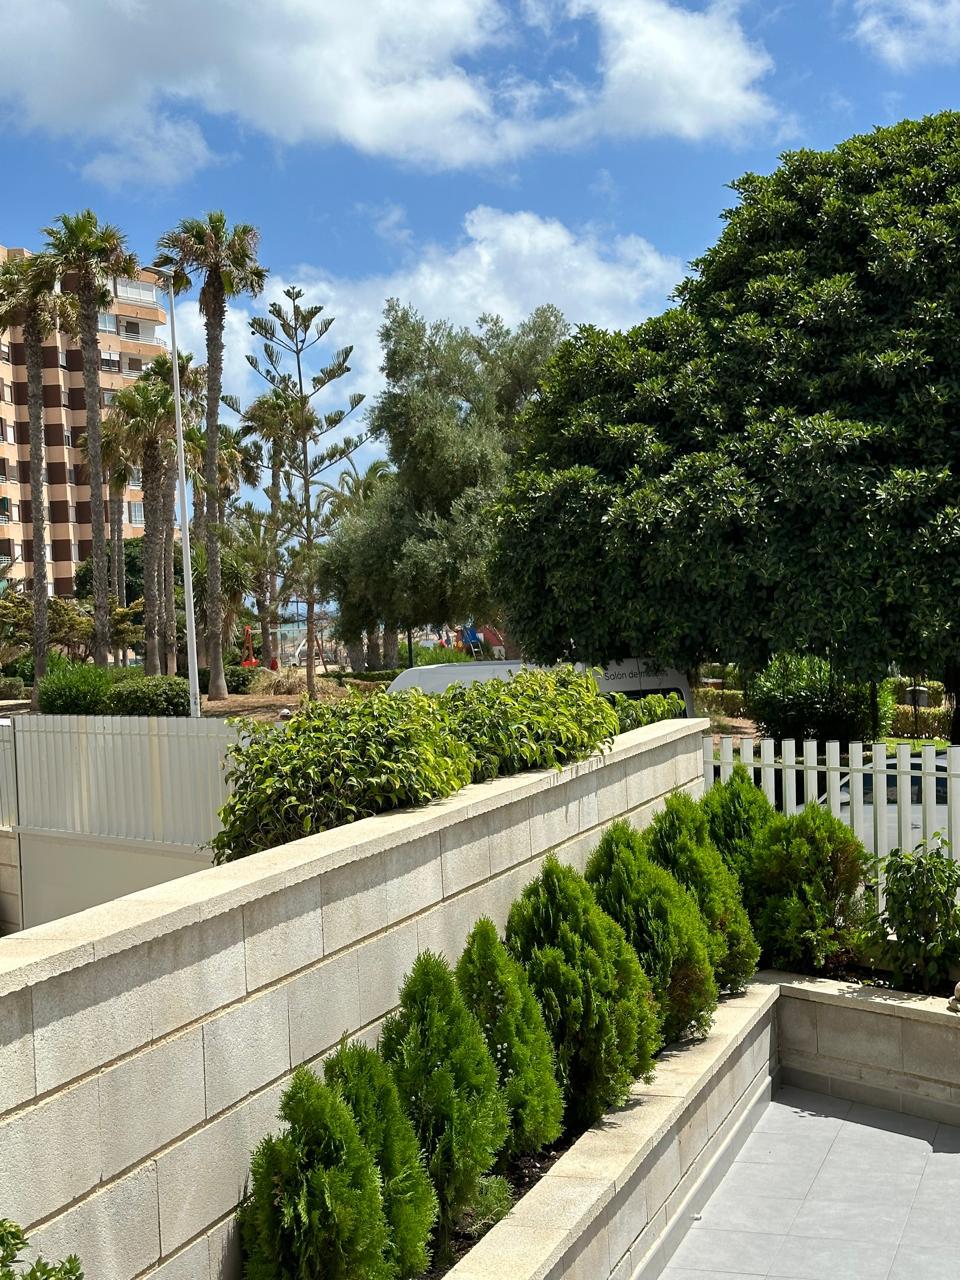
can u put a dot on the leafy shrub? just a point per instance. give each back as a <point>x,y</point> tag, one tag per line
<point>918,931</point>
<point>315,1207</point>
<point>802,697</point>
<point>663,924</point>
<point>239,679</point>
<point>23,667</point>
<point>597,1003</point>
<point>803,889</point>
<point>152,696</point>
<point>634,713</point>
<point>494,1201</point>
<point>736,812</point>
<point>449,1086</point>
<point>377,677</point>
<point>429,655</point>
<point>81,689</point>
<point>11,687</point>
<point>679,839</point>
<point>900,684</point>
<point>924,722</point>
<point>409,1202</point>
<point>12,1244</point>
<point>719,702</point>
<point>497,992</point>
<point>536,720</point>
<point>331,764</point>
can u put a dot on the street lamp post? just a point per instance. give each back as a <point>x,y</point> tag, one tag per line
<point>192,673</point>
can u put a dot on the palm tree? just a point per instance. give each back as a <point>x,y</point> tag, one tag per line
<point>226,259</point>
<point>87,256</point>
<point>192,387</point>
<point>252,535</point>
<point>145,412</point>
<point>118,467</point>
<point>241,461</point>
<point>28,298</point>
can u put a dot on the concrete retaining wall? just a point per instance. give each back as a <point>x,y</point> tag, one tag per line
<point>881,1047</point>
<point>144,1044</point>
<point>10,906</point>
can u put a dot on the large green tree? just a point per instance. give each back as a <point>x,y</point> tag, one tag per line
<point>417,548</point>
<point>773,463</point>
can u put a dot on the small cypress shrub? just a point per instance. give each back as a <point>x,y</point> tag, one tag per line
<point>803,889</point>
<point>597,1003</point>
<point>679,839</point>
<point>409,1201</point>
<point>664,926</point>
<point>316,1207</point>
<point>736,811</point>
<point>448,1084</point>
<point>497,992</point>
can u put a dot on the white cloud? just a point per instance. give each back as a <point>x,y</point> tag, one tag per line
<point>421,81</point>
<point>907,33</point>
<point>506,263</point>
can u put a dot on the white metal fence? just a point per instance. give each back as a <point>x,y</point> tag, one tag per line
<point>889,799</point>
<point>125,777</point>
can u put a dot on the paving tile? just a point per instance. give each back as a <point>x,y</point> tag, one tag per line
<point>802,1258</point>
<point>728,1250</point>
<point>877,1121</point>
<point>684,1273</point>
<point>801,1147</point>
<point>838,1220</point>
<point>781,1181</point>
<point>947,1139</point>
<point>729,1212</point>
<point>861,1148</point>
<point>924,1264</point>
<point>864,1184</point>
<point>806,1103</point>
<point>927,1226</point>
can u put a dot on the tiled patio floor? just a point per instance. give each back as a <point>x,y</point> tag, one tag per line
<point>830,1190</point>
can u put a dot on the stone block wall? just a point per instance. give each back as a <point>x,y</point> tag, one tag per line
<point>144,1044</point>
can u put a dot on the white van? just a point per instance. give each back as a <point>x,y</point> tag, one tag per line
<point>631,678</point>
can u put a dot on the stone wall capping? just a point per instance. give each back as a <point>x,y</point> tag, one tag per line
<point>881,1000</point>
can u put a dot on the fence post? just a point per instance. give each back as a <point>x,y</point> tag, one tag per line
<point>904,795</point>
<point>767,770</point>
<point>857,823</point>
<point>881,838</point>
<point>810,775</point>
<point>726,759</point>
<point>746,755</point>
<point>928,789</point>
<point>707,762</point>
<point>953,801</point>
<point>788,749</point>
<point>833,778</point>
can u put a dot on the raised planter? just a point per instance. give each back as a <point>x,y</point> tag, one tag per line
<point>616,1205</point>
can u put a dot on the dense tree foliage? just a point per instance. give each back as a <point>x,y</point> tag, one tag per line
<point>771,464</point>
<point>418,549</point>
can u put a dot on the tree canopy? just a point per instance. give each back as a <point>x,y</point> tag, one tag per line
<point>417,548</point>
<point>772,464</point>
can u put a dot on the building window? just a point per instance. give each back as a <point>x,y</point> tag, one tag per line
<point>67,438</point>
<point>75,552</point>
<point>65,397</point>
<point>135,512</point>
<point>6,392</point>
<point>110,361</point>
<point>136,478</point>
<point>15,511</point>
<point>106,322</point>
<point>18,551</point>
<point>136,291</point>
<point>131,329</point>
<point>5,351</point>
<point>71,475</point>
<point>72,513</point>
<point>63,358</point>
<point>108,397</point>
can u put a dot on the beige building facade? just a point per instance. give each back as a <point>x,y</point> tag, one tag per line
<point>129,341</point>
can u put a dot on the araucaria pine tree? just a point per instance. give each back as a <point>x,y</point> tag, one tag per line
<point>448,1084</point>
<point>497,991</point>
<point>316,1207</point>
<point>409,1200</point>
<point>679,839</point>
<point>664,926</point>
<point>597,1002</point>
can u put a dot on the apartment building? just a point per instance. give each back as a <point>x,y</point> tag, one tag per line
<point>128,342</point>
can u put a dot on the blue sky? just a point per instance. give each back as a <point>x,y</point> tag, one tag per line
<point>462,154</point>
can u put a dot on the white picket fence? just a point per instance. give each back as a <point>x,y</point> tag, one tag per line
<point>119,777</point>
<point>889,799</point>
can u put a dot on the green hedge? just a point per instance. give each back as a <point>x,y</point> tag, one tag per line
<point>925,722</point>
<point>801,697</point>
<point>164,696</point>
<point>719,702</point>
<point>377,677</point>
<point>11,687</point>
<point>239,679</point>
<point>635,713</point>
<point>900,684</point>
<point>81,689</point>
<point>335,763</point>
